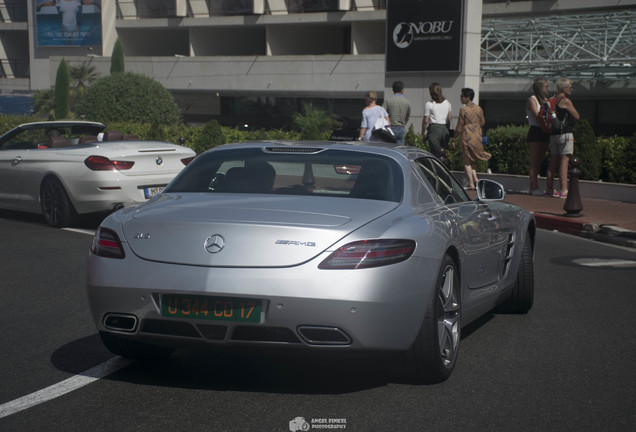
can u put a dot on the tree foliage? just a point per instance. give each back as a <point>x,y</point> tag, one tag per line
<point>211,135</point>
<point>62,91</point>
<point>117,58</point>
<point>587,147</point>
<point>313,123</point>
<point>82,76</point>
<point>129,97</point>
<point>44,104</point>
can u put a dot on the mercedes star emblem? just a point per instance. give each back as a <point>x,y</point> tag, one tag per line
<point>215,243</point>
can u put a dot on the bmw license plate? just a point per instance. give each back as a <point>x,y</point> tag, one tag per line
<point>210,308</point>
<point>150,191</point>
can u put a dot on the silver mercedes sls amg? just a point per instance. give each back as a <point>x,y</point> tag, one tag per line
<point>319,245</point>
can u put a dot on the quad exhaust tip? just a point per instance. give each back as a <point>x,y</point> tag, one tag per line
<point>120,322</point>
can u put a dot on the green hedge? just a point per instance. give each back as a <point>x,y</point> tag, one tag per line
<point>609,159</point>
<point>618,159</point>
<point>508,146</point>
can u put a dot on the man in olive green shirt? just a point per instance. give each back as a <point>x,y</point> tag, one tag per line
<point>399,109</point>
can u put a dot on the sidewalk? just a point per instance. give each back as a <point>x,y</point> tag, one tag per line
<point>603,220</point>
<point>610,220</point>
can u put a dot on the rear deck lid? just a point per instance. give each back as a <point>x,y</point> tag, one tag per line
<point>244,230</point>
<point>150,158</point>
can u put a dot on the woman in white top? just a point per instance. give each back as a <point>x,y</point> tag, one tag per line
<point>538,140</point>
<point>437,117</point>
<point>370,114</point>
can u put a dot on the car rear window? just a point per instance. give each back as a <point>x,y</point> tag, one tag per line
<point>293,171</point>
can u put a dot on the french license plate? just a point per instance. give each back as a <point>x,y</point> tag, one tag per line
<point>210,308</point>
<point>150,191</point>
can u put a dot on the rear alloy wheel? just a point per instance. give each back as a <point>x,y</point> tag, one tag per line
<point>432,356</point>
<point>56,207</point>
<point>133,349</point>
<point>522,294</point>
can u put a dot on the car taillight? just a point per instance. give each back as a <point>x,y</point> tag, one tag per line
<point>101,163</point>
<point>369,253</point>
<point>187,160</point>
<point>107,244</point>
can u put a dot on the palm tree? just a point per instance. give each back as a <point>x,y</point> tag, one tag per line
<point>82,75</point>
<point>313,123</point>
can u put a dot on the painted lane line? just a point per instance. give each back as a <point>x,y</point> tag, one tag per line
<point>63,387</point>
<point>597,262</point>
<point>79,230</point>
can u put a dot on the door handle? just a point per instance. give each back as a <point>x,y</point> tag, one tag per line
<point>16,161</point>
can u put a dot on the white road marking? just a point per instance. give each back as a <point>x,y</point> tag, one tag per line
<point>63,387</point>
<point>597,262</point>
<point>81,231</point>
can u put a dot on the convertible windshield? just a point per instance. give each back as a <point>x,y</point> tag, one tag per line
<point>293,171</point>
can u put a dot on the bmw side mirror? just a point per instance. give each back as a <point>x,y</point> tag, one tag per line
<point>488,190</point>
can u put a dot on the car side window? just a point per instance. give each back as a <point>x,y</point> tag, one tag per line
<point>442,181</point>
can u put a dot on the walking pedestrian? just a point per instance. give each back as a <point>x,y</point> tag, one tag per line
<point>399,109</point>
<point>436,122</point>
<point>370,114</point>
<point>469,124</point>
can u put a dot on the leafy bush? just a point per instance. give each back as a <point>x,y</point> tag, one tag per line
<point>509,149</point>
<point>313,123</point>
<point>129,97</point>
<point>588,149</point>
<point>211,135</point>
<point>619,159</point>
<point>44,104</point>
<point>8,122</point>
<point>413,139</point>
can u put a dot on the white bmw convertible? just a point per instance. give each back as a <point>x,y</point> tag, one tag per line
<point>65,168</point>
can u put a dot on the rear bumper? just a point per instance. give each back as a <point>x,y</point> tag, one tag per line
<point>112,192</point>
<point>371,309</point>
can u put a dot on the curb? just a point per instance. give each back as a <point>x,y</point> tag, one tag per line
<point>603,233</point>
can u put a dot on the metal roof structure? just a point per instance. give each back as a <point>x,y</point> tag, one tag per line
<point>600,46</point>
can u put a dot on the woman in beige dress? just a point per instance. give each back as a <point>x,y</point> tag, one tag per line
<point>471,120</point>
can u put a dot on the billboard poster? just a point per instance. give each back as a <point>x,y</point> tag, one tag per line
<point>68,23</point>
<point>424,35</point>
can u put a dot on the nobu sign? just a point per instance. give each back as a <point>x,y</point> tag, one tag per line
<point>424,35</point>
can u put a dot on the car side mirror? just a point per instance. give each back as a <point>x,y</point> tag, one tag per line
<point>489,190</point>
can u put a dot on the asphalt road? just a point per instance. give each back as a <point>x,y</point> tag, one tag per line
<point>566,366</point>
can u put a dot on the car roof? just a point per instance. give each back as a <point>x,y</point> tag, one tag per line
<point>60,123</point>
<point>408,152</point>
<point>77,125</point>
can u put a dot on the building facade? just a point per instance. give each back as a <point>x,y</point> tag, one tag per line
<point>254,62</point>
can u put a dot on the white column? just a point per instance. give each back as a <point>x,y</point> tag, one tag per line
<point>200,8</point>
<point>277,7</point>
<point>181,8</point>
<point>4,60</point>
<point>127,7</point>
<point>344,5</point>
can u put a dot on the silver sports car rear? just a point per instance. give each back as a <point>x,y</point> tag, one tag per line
<point>317,245</point>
